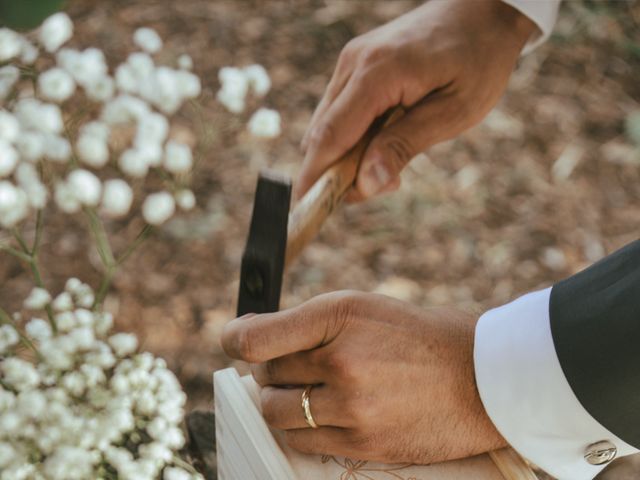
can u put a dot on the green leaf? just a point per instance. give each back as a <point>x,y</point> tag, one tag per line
<point>27,14</point>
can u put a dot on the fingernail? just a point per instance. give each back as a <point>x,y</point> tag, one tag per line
<point>375,178</point>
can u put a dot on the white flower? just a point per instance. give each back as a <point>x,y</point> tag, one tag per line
<point>70,463</point>
<point>57,149</point>
<point>164,90</point>
<point>56,84</point>
<point>86,67</point>
<point>65,198</point>
<point>31,145</point>
<point>93,150</point>
<point>258,79</point>
<point>126,80</point>
<point>133,162</point>
<point>63,302</point>
<point>8,337</point>
<point>232,102</point>
<point>101,90</point>
<point>9,127</point>
<point>185,62</point>
<point>123,109</point>
<point>19,373</point>
<point>82,337</point>
<point>84,317</point>
<point>37,299</point>
<point>234,81</point>
<point>265,123</point>
<point>8,158</point>
<point>9,75</point>
<point>188,84</point>
<point>158,208</point>
<point>9,44</point>
<point>14,205</point>
<point>49,118</point>
<point>55,31</point>
<point>29,181</point>
<point>147,39</point>
<point>103,322</point>
<point>28,52</point>
<point>38,329</point>
<point>185,199</point>
<point>86,185</point>
<point>177,157</point>
<point>31,403</point>
<point>152,128</point>
<point>7,454</point>
<point>117,198</point>
<point>142,65</point>
<point>174,473</point>
<point>173,438</point>
<point>65,321</point>
<point>123,343</point>
<point>235,85</point>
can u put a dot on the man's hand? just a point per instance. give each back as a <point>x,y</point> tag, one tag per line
<point>392,383</point>
<point>448,62</point>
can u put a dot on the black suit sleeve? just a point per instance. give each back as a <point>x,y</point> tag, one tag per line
<point>595,323</point>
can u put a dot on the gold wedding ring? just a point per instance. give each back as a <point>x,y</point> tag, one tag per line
<point>306,407</point>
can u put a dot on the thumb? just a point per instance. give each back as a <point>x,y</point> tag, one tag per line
<point>259,338</point>
<point>391,150</point>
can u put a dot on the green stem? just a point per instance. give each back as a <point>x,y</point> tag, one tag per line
<point>179,462</point>
<point>16,253</point>
<point>142,236</point>
<point>31,257</point>
<point>21,242</point>
<point>38,236</point>
<point>105,283</point>
<point>102,240</point>
<point>5,318</point>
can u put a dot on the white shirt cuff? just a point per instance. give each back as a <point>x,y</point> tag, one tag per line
<point>541,12</point>
<point>526,394</point>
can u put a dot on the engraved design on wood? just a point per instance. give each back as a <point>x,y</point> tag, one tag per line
<point>359,470</point>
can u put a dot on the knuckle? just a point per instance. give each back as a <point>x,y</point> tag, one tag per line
<point>269,407</point>
<point>246,344</point>
<point>322,134</point>
<point>375,54</point>
<point>361,412</point>
<point>298,442</point>
<point>341,364</point>
<point>271,371</point>
<point>397,150</point>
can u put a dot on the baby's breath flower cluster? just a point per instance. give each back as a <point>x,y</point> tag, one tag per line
<point>237,83</point>
<point>88,405</point>
<point>76,400</point>
<point>137,98</point>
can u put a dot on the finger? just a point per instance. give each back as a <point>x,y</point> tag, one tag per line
<point>336,85</point>
<point>354,195</point>
<point>258,338</point>
<point>325,441</point>
<point>341,126</point>
<point>282,407</point>
<point>432,120</point>
<point>293,369</point>
<point>340,77</point>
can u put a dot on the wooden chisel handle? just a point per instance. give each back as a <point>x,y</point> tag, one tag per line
<point>322,198</point>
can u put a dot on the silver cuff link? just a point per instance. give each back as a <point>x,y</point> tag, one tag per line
<point>600,453</point>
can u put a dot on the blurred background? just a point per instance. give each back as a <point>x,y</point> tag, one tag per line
<point>546,185</point>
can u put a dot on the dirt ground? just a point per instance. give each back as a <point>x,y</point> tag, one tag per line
<point>546,185</point>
